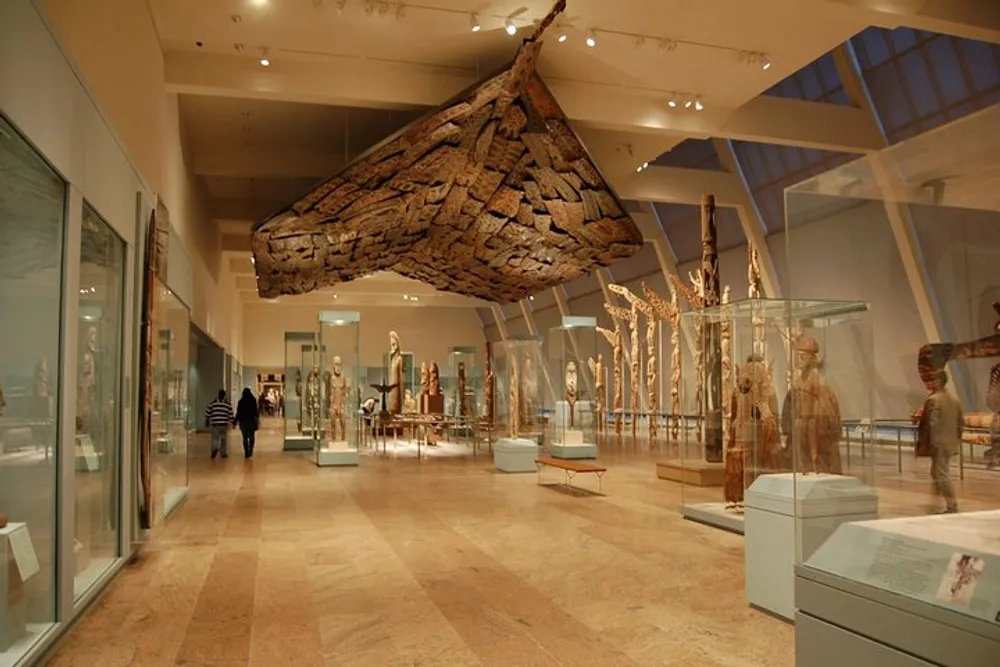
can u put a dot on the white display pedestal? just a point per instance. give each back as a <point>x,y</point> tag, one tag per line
<point>337,454</point>
<point>583,415</point>
<point>298,443</point>
<point>18,563</point>
<point>573,447</point>
<point>510,455</point>
<point>824,502</point>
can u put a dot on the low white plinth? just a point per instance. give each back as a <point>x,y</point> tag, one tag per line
<point>572,437</point>
<point>583,415</point>
<point>337,454</point>
<point>510,455</point>
<point>298,443</point>
<point>820,503</point>
<point>581,451</point>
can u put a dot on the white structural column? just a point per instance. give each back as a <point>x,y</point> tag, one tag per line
<point>529,316</point>
<point>751,220</point>
<point>898,215</point>
<point>501,320</point>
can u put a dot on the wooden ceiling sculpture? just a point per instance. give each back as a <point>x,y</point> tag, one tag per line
<point>491,196</point>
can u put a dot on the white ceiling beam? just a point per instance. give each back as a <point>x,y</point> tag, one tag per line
<point>974,19</point>
<point>374,84</point>
<point>501,321</point>
<point>677,185</point>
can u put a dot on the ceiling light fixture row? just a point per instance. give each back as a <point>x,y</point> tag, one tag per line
<point>686,101</point>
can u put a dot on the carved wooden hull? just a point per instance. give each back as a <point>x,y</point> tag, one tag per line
<point>490,196</point>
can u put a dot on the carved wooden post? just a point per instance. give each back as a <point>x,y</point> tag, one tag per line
<point>711,339</point>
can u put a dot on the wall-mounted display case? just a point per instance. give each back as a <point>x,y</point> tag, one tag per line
<point>337,443</point>
<point>303,416</point>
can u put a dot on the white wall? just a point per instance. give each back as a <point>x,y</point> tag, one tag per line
<point>426,331</point>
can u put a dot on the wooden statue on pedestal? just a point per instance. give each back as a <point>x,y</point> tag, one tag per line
<point>600,399</point>
<point>571,391</point>
<point>395,374</point>
<point>811,413</point>
<point>614,339</point>
<point>491,387</point>
<point>631,316</point>
<point>753,429</point>
<point>671,314</point>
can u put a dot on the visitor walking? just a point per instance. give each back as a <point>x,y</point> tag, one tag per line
<point>218,417</point>
<point>939,435</point>
<point>248,419</point>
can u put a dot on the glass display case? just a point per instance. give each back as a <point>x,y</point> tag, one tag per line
<point>463,383</point>
<point>32,242</point>
<point>575,372</point>
<point>520,423</point>
<point>792,384</point>
<point>98,399</point>
<point>915,230</point>
<point>303,387</point>
<point>171,322</point>
<point>337,443</point>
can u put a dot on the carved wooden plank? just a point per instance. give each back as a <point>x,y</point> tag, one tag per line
<point>491,196</point>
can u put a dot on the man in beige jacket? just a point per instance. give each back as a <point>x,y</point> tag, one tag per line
<point>940,436</point>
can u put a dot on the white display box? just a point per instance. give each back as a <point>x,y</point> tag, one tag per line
<point>298,443</point>
<point>583,414</point>
<point>510,455</point>
<point>337,454</point>
<point>575,451</point>
<point>820,503</point>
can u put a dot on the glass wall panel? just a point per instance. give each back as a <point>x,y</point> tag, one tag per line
<point>98,402</point>
<point>171,332</point>
<point>32,198</point>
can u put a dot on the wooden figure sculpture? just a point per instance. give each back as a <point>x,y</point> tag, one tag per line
<point>425,379</point>
<point>644,307</point>
<point>753,429</point>
<point>933,357</point>
<point>491,386</point>
<point>571,392</point>
<point>434,380</point>
<point>597,370</point>
<point>614,339</point>
<point>631,316</point>
<point>755,291</point>
<point>313,399</point>
<point>811,413</point>
<point>491,195</point>
<point>338,392</point>
<point>514,391</point>
<point>460,398</point>
<point>528,391</point>
<point>695,297</point>
<point>395,374</point>
<point>711,292</point>
<point>671,314</point>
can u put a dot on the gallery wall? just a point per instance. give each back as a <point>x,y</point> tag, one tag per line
<point>116,50</point>
<point>426,331</point>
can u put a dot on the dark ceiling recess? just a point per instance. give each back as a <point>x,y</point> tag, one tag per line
<point>490,196</point>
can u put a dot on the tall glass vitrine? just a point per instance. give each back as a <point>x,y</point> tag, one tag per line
<point>303,391</point>
<point>337,440</point>
<point>572,361</point>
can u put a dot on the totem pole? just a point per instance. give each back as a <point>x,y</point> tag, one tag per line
<point>671,314</point>
<point>649,312</point>
<point>631,316</point>
<point>614,339</point>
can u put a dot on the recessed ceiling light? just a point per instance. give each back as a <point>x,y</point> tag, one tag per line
<point>591,39</point>
<point>474,22</point>
<point>698,106</point>
<point>687,104</point>
<point>562,37</point>
<point>510,27</point>
<point>765,62</point>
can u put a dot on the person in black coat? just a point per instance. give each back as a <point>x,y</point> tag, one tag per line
<point>248,419</point>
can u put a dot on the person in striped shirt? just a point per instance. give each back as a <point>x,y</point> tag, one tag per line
<point>219,418</point>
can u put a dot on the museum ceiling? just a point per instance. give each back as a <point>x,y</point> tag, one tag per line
<point>491,196</point>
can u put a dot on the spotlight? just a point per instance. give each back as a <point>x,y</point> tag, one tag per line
<point>672,103</point>
<point>765,62</point>
<point>687,104</point>
<point>591,39</point>
<point>562,37</point>
<point>265,61</point>
<point>698,106</point>
<point>531,298</point>
<point>510,27</point>
<point>474,22</point>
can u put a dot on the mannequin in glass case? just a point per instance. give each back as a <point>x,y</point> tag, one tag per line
<point>571,391</point>
<point>395,374</point>
<point>753,440</point>
<point>811,413</point>
<point>339,391</point>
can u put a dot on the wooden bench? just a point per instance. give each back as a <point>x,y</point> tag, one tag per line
<point>571,468</point>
